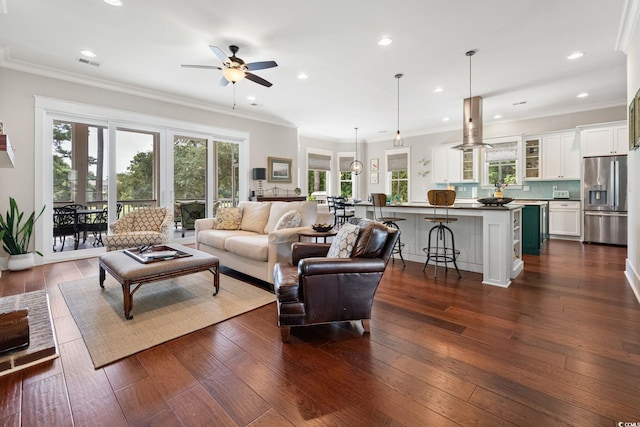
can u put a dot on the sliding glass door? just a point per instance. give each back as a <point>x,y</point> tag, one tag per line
<point>99,164</point>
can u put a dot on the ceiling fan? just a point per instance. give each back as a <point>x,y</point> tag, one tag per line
<point>235,69</point>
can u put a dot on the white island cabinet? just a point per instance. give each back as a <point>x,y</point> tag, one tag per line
<point>488,238</point>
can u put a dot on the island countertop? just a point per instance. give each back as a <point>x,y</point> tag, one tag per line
<point>460,205</point>
<point>488,237</point>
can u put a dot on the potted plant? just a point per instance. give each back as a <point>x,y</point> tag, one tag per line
<point>16,236</point>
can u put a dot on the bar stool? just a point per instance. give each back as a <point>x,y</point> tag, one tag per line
<point>379,200</point>
<point>442,251</point>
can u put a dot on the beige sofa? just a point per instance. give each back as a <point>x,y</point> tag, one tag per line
<point>256,246</point>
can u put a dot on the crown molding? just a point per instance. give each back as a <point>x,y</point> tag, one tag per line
<point>13,64</point>
<point>628,23</point>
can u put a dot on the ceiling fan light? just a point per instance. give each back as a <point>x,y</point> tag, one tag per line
<point>233,75</point>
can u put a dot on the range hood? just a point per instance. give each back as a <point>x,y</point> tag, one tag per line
<point>471,124</point>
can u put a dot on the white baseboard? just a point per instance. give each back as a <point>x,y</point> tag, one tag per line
<point>632,277</point>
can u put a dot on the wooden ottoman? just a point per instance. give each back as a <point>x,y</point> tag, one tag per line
<point>132,274</point>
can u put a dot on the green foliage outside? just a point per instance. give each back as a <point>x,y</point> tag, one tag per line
<point>62,158</point>
<point>190,169</point>
<point>502,172</point>
<point>137,182</point>
<point>228,155</point>
<point>400,186</point>
<point>346,184</point>
<point>317,181</point>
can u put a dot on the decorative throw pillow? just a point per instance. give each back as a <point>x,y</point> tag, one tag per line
<point>371,240</point>
<point>344,241</point>
<point>228,219</point>
<point>290,219</point>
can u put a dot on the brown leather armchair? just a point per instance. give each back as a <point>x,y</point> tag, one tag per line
<point>313,289</point>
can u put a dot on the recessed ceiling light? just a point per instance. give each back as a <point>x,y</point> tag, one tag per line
<point>303,76</point>
<point>582,95</point>
<point>251,98</point>
<point>438,89</point>
<point>114,2</point>
<point>576,55</point>
<point>87,53</point>
<point>385,41</point>
<point>497,116</point>
<point>446,119</point>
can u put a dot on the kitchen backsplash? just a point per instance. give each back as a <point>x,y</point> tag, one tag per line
<point>537,190</point>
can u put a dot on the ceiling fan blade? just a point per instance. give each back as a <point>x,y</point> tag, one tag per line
<point>257,79</point>
<point>212,67</point>
<point>223,82</point>
<point>219,53</point>
<point>260,65</point>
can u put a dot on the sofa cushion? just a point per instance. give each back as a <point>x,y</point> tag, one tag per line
<point>254,246</point>
<point>216,238</point>
<point>308,212</point>
<point>291,219</point>
<point>254,216</point>
<point>371,240</point>
<point>344,242</point>
<point>228,219</point>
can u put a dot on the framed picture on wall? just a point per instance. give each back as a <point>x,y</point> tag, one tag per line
<point>279,169</point>
<point>374,178</point>
<point>632,125</point>
<point>374,164</point>
<point>636,121</point>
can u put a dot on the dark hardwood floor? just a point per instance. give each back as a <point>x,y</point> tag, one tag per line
<point>561,346</point>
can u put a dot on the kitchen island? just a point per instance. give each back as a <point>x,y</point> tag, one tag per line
<point>488,237</point>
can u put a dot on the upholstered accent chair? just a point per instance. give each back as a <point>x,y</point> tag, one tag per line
<point>145,226</point>
<point>313,289</point>
<point>189,212</point>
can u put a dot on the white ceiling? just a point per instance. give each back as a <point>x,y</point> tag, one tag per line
<point>522,56</point>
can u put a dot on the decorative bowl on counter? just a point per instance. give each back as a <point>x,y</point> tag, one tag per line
<point>495,201</point>
<point>322,228</point>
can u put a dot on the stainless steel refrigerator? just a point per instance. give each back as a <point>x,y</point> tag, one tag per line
<point>605,199</point>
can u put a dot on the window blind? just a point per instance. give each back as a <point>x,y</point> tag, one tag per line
<point>503,151</point>
<point>397,162</point>
<point>345,162</point>
<point>319,162</point>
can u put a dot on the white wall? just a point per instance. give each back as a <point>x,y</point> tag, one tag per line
<point>17,90</point>
<point>633,235</point>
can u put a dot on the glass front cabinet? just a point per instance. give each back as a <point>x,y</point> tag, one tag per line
<point>532,169</point>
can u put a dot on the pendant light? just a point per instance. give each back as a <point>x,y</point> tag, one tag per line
<point>356,165</point>
<point>398,141</point>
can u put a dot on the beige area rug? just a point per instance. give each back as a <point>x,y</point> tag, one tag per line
<point>161,311</point>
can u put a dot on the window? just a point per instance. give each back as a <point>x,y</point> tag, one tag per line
<point>501,163</point>
<point>318,170</point>
<point>397,185</point>
<point>346,176</point>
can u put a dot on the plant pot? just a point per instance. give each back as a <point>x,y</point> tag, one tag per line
<point>21,262</point>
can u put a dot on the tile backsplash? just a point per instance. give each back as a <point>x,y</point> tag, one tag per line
<point>537,190</point>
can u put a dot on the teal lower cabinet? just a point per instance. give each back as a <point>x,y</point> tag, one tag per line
<point>533,229</point>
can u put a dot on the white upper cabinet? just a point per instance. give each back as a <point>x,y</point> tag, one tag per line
<point>447,164</point>
<point>561,156</point>
<point>604,140</point>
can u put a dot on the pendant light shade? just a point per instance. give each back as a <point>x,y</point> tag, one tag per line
<point>356,166</point>
<point>398,141</point>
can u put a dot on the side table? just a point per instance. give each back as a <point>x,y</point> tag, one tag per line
<point>316,234</point>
